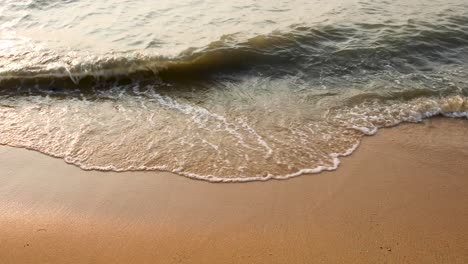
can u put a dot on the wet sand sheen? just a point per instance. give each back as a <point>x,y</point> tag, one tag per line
<point>402,197</point>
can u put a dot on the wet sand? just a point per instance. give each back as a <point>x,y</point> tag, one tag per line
<point>402,197</point>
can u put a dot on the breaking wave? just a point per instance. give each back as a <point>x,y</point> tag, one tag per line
<point>315,52</point>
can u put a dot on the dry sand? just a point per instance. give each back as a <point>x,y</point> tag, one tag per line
<point>401,198</point>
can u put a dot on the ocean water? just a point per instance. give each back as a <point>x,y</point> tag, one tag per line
<point>234,90</point>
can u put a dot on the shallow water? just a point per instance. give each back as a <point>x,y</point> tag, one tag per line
<point>224,91</point>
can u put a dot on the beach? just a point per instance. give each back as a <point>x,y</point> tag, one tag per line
<point>402,197</point>
<point>250,131</point>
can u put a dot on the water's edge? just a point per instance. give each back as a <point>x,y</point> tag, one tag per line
<point>336,158</point>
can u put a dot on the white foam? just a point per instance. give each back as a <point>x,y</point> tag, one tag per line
<point>289,154</point>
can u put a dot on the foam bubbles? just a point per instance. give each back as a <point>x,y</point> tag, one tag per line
<point>190,140</point>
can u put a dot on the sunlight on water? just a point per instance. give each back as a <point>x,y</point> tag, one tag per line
<point>224,90</point>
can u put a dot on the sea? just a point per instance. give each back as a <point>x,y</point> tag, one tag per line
<point>224,91</point>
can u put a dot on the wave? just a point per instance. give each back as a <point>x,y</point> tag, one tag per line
<point>314,52</point>
<point>234,147</point>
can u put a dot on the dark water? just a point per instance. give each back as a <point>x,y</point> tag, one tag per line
<point>224,91</point>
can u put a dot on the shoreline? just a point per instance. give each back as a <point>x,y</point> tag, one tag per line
<point>401,197</point>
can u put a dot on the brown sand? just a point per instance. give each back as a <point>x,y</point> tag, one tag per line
<point>401,198</point>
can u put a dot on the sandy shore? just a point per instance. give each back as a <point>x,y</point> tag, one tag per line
<point>401,198</point>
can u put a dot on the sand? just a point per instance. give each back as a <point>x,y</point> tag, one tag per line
<point>402,197</point>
